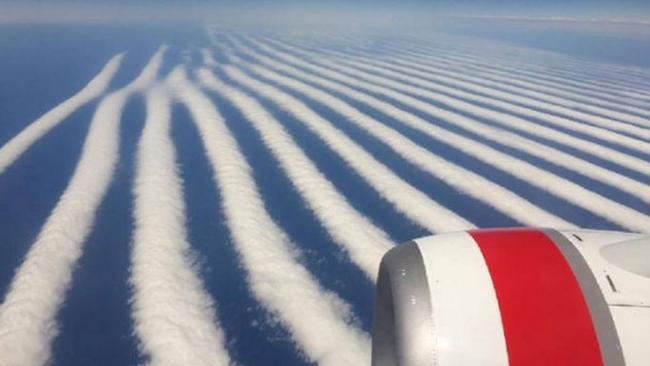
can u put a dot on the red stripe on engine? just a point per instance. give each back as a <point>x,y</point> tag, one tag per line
<point>545,317</point>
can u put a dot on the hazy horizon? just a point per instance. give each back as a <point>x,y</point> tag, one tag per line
<point>125,11</point>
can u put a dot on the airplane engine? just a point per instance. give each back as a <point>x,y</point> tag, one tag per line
<point>518,297</point>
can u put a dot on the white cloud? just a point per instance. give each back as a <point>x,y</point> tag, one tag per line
<point>404,197</point>
<point>545,152</point>
<point>173,315</point>
<point>27,315</point>
<point>534,95</point>
<point>462,179</point>
<point>207,57</point>
<point>15,147</point>
<point>563,188</point>
<point>544,110</point>
<point>518,77</point>
<point>399,91</point>
<point>360,238</point>
<point>318,320</point>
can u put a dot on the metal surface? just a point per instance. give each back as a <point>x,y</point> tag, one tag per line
<point>601,316</point>
<point>403,330</point>
<point>576,297</point>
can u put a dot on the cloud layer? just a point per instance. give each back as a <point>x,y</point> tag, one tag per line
<point>317,320</point>
<point>173,315</point>
<point>15,147</point>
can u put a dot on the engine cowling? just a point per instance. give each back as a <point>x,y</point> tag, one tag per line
<point>515,297</point>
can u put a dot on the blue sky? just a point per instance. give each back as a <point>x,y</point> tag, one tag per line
<point>579,9</point>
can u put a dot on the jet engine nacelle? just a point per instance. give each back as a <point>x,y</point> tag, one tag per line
<point>515,297</point>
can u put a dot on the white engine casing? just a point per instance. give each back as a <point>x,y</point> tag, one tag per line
<point>515,297</point>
